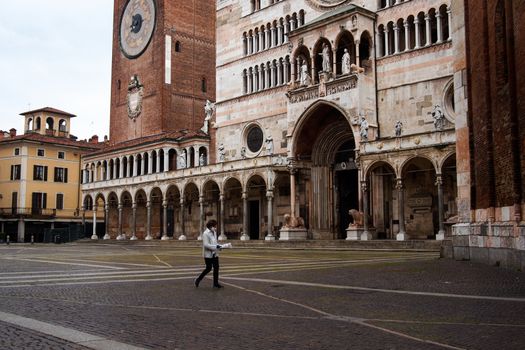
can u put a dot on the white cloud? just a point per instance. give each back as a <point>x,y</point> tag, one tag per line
<point>56,53</point>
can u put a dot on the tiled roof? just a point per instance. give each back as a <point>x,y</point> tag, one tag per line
<point>177,136</point>
<point>49,110</point>
<point>63,141</point>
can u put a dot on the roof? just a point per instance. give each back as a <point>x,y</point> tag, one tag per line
<point>59,141</point>
<point>334,14</point>
<point>49,110</point>
<point>177,136</point>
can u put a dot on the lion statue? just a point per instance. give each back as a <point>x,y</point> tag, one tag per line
<point>358,218</point>
<point>293,222</point>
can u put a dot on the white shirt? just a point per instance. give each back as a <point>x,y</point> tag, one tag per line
<point>209,244</point>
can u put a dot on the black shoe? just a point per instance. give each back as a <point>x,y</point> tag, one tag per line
<point>217,286</point>
<point>197,281</point>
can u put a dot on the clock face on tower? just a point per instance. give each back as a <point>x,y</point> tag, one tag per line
<point>137,23</point>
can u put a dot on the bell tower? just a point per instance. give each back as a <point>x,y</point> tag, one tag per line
<point>163,66</point>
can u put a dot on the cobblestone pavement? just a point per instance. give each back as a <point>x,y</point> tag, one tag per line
<point>143,295</point>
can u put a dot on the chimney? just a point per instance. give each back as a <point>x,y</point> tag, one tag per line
<point>94,139</point>
<point>12,132</point>
<point>105,138</point>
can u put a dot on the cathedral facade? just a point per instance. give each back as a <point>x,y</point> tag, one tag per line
<point>304,119</point>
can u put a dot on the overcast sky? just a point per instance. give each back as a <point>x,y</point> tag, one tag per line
<point>56,53</point>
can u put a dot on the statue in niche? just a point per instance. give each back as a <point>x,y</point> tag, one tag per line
<point>439,117</point>
<point>222,153</point>
<point>326,58</point>
<point>182,160</point>
<point>209,108</point>
<point>243,152</point>
<point>305,79</point>
<point>202,160</point>
<point>399,128</point>
<point>363,129</point>
<point>345,63</point>
<point>269,145</point>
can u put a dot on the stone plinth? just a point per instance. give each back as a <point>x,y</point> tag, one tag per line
<point>293,234</point>
<point>358,233</point>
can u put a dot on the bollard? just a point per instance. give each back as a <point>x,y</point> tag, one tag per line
<point>7,240</point>
<point>32,239</point>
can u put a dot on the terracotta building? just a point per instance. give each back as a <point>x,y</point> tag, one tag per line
<point>491,140</point>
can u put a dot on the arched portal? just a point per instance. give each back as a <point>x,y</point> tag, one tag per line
<point>383,200</point>
<point>233,204</point>
<point>257,207</point>
<point>326,181</point>
<point>173,211</point>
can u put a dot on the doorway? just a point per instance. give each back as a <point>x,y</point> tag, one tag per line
<point>347,184</point>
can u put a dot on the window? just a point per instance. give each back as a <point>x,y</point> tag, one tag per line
<point>39,173</point>
<point>40,152</point>
<point>60,201</point>
<point>39,202</point>
<point>254,139</point>
<point>61,155</point>
<point>177,46</point>
<point>204,85</point>
<point>17,151</point>
<point>15,172</point>
<point>61,175</point>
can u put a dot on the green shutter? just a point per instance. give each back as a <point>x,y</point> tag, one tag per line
<point>65,175</point>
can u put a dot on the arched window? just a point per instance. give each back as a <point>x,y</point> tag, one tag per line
<point>62,125</point>
<point>38,124</point>
<point>421,29</point>
<point>411,33</point>
<point>382,4</point>
<point>29,124</point>
<point>433,26</point>
<point>445,26</point>
<point>244,81</point>
<point>365,43</point>
<point>401,35</point>
<point>390,49</point>
<point>49,123</point>
<point>301,18</point>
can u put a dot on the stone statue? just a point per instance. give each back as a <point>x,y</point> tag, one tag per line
<point>269,145</point>
<point>363,129</point>
<point>222,153</point>
<point>439,117</point>
<point>202,160</point>
<point>293,222</point>
<point>399,128</point>
<point>182,160</point>
<point>209,108</point>
<point>243,152</point>
<point>326,58</point>
<point>357,218</point>
<point>345,63</point>
<point>305,79</point>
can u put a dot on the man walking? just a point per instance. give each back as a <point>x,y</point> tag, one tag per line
<point>210,251</point>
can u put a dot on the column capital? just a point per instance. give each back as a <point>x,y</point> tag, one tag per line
<point>244,195</point>
<point>133,206</point>
<point>399,184</point>
<point>364,185</point>
<point>439,180</point>
<point>269,194</point>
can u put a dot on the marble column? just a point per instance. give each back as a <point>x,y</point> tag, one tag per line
<point>449,14</point>
<point>245,236</point>
<point>441,233</point>
<point>279,80</point>
<point>94,233</point>
<point>292,193</point>
<point>182,236</point>
<point>134,222</point>
<point>417,33</point>
<point>357,58</point>
<point>94,222</point>
<point>387,49</point>
<point>396,39</point>
<point>165,220</point>
<point>120,234</point>
<point>143,170</point>
<point>222,236</point>
<point>268,74</point>
<point>439,28</point>
<point>366,235</point>
<point>106,222</point>
<point>407,36</point>
<point>428,32</point>
<point>286,32</point>
<point>297,69</point>
<point>286,71</point>
<point>250,45</point>
<point>121,170</point>
<point>293,24</point>
<point>269,199</point>
<point>280,34</point>
<point>149,237</point>
<point>272,75</point>
<point>267,42</point>
<point>401,235</point>
<point>202,217</point>
<point>166,160</point>
<point>274,37</point>
<point>150,162</point>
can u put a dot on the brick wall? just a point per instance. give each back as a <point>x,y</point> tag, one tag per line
<point>166,107</point>
<point>496,118</point>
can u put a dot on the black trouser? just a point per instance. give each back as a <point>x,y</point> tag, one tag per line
<point>209,263</point>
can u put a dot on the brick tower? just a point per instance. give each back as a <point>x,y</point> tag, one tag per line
<point>163,67</point>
